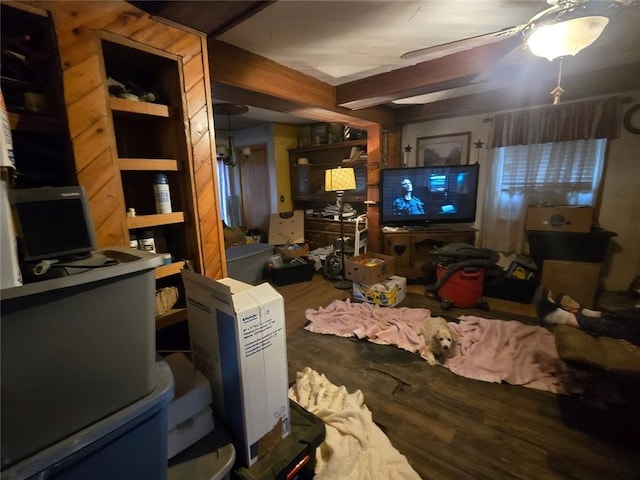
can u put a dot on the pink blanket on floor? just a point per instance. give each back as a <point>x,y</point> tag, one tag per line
<point>487,350</point>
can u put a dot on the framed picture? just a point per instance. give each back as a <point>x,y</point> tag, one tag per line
<point>450,149</point>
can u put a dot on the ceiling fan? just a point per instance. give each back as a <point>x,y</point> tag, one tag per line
<point>560,10</point>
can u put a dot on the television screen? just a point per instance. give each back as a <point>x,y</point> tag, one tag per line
<point>52,223</point>
<point>421,196</point>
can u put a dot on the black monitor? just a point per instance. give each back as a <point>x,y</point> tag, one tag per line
<point>440,194</point>
<point>52,223</point>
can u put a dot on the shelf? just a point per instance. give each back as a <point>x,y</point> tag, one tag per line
<point>331,146</point>
<point>31,122</point>
<point>173,316</point>
<point>170,269</point>
<point>140,108</point>
<point>145,221</point>
<point>148,164</point>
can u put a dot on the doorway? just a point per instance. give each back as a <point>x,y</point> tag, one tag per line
<point>255,189</point>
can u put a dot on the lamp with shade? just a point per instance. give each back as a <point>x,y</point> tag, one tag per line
<point>340,180</point>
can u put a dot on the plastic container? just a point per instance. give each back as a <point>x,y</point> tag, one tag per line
<point>290,273</point>
<point>294,457</point>
<point>161,194</point>
<point>570,246</point>
<point>246,262</point>
<point>146,241</point>
<point>129,443</point>
<point>463,289</point>
<point>74,350</point>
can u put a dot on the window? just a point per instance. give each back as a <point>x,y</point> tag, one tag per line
<point>562,173</point>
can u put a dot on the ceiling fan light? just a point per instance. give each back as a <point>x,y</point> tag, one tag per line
<point>554,40</point>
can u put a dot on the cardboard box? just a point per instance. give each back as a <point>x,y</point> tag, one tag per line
<point>388,293</point>
<point>237,334</point>
<point>287,252</point>
<point>369,268</point>
<point>286,228</point>
<point>569,218</point>
<point>579,280</point>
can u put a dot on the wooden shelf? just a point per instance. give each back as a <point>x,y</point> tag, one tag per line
<point>170,269</point>
<point>331,146</point>
<point>140,108</point>
<point>148,164</point>
<point>31,122</point>
<point>145,221</point>
<point>173,316</point>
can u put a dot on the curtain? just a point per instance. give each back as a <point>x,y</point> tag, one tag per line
<point>556,173</point>
<point>598,118</point>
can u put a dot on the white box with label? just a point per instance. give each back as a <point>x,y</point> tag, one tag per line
<point>238,338</point>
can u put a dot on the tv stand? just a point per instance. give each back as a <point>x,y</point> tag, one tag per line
<point>413,249</point>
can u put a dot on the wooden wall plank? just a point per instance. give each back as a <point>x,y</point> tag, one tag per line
<point>85,112</point>
<point>81,79</point>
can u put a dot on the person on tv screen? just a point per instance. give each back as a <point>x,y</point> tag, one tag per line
<point>407,204</point>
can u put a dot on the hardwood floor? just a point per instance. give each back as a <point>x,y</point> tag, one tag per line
<point>450,427</point>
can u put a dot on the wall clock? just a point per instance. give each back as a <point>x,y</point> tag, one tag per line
<point>631,119</point>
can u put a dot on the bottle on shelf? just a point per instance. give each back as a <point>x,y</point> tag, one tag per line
<point>162,194</point>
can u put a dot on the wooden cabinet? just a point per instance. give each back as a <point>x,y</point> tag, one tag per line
<point>413,251</point>
<point>322,232</point>
<point>308,174</point>
<point>120,144</point>
<point>32,88</point>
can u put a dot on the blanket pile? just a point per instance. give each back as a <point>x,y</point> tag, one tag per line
<point>488,350</point>
<point>354,446</point>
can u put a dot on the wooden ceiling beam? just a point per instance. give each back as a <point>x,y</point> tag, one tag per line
<point>536,91</point>
<point>266,81</point>
<point>441,73</point>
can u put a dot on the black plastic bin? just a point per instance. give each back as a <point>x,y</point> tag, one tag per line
<point>291,273</point>
<point>569,246</point>
<point>294,458</point>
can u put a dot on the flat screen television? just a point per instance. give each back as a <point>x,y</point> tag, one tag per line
<point>52,223</point>
<point>423,196</point>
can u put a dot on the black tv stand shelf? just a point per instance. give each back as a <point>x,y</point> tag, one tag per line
<point>413,249</point>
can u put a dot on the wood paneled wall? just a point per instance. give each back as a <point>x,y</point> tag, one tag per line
<point>78,26</point>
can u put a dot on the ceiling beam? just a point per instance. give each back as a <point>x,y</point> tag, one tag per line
<point>441,73</point>
<point>536,91</point>
<point>210,18</point>
<point>261,78</point>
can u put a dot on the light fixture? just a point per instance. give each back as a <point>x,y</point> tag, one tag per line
<point>228,155</point>
<point>340,180</point>
<point>555,40</point>
<point>566,29</point>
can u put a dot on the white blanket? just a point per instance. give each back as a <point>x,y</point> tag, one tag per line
<point>354,448</point>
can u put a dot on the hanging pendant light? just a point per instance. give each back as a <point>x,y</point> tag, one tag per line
<point>229,157</point>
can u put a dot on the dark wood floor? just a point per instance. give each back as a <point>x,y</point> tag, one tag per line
<point>450,427</point>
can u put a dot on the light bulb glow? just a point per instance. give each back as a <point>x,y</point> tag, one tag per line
<point>561,39</point>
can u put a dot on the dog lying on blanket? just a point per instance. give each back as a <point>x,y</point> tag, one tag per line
<point>439,339</point>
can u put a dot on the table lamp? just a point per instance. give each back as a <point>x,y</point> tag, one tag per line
<point>339,180</point>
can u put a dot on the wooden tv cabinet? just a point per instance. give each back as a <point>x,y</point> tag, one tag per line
<point>414,249</point>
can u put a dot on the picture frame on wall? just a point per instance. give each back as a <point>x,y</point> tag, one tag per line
<point>451,149</point>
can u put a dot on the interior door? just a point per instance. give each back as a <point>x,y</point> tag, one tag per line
<point>256,189</point>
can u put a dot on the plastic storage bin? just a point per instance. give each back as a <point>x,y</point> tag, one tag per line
<point>75,349</point>
<point>130,443</point>
<point>246,262</point>
<point>294,457</point>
